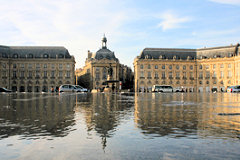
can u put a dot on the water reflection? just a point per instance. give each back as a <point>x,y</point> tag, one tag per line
<point>188,115</point>
<point>104,112</point>
<point>36,115</point>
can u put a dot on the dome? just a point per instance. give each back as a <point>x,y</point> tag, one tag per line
<point>105,54</point>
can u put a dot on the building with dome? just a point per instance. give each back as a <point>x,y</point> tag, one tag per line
<point>35,69</point>
<point>193,70</point>
<point>102,67</point>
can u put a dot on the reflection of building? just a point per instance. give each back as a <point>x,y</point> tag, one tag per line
<point>28,116</point>
<point>97,65</point>
<point>188,114</point>
<point>35,69</point>
<point>206,69</point>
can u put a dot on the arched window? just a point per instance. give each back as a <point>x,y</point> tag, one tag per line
<point>60,56</point>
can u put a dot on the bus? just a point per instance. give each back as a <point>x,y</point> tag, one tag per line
<point>158,88</point>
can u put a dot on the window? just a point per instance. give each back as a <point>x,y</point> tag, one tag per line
<point>184,67</point>
<point>200,75</point>
<point>22,66</point>
<point>45,74</point>
<point>184,75</point>
<point>15,56</point>
<point>170,66</point>
<point>14,65</point>
<point>170,75</point>
<point>177,66</point>
<point>22,74</point>
<point>142,73</point>
<point>37,66</point>
<point>37,74</point>
<point>45,66</point>
<point>191,67</point>
<point>156,66</point>
<point>68,74</point>
<point>4,65</point>
<point>221,74</point>
<point>14,74</point>
<point>60,56</point>
<point>207,66</point>
<point>214,74</point>
<point>177,75</point>
<point>141,66</point>
<point>229,74</point>
<point>163,66</point>
<point>149,66</point>
<point>52,73</point>
<point>156,74</point>
<point>60,74</point>
<point>30,74</point>
<point>221,65</point>
<point>60,66</point>
<point>45,56</point>
<point>68,66</point>
<point>200,67</point>
<point>29,66</point>
<point>191,74</point>
<point>30,56</point>
<point>214,66</point>
<point>229,66</point>
<point>53,66</point>
<point>163,74</point>
<point>207,74</point>
<point>149,74</point>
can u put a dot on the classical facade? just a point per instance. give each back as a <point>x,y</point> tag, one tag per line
<point>94,74</point>
<point>199,70</point>
<point>35,69</point>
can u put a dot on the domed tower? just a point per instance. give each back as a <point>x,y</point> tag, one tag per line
<point>104,42</point>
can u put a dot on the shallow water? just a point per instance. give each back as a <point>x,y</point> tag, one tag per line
<point>120,126</point>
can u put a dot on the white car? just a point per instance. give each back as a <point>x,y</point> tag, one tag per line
<point>78,88</point>
<point>66,88</point>
<point>233,89</point>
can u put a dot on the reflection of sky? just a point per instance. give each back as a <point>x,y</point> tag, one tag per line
<point>127,140</point>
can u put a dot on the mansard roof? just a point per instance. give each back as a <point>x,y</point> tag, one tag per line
<point>167,53</point>
<point>202,53</point>
<point>35,51</point>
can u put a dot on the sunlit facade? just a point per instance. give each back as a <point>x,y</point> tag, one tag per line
<point>193,70</point>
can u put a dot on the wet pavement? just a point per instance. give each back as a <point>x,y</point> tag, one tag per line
<point>120,126</point>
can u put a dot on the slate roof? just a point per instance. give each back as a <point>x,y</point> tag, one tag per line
<point>178,53</point>
<point>104,53</point>
<point>167,53</point>
<point>35,51</point>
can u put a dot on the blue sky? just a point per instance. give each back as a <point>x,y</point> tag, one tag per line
<point>129,25</point>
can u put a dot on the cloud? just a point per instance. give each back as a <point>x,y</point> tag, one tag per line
<point>171,20</point>
<point>77,25</point>
<point>232,2</point>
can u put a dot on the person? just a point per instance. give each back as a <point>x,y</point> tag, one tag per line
<point>52,89</point>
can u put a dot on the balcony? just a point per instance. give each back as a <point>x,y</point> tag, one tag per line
<point>149,77</point>
<point>14,78</point>
<point>163,78</point>
<point>45,77</point>
<point>37,77</point>
<point>214,77</point>
<point>156,77</point>
<point>191,78</point>
<point>207,77</point>
<point>200,77</point>
<point>4,77</point>
<point>29,77</point>
<point>178,78</point>
<point>142,77</point>
<point>184,78</point>
<point>170,77</point>
<point>52,77</point>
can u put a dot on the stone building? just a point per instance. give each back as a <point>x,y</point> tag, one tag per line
<point>201,70</point>
<point>96,70</point>
<point>35,69</point>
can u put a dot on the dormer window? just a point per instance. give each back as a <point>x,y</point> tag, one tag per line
<point>60,56</point>
<point>189,57</point>
<point>229,54</point>
<point>15,56</point>
<point>30,56</point>
<point>45,56</point>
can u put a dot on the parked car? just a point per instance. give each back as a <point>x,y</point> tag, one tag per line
<point>2,89</point>
<point>66,88</point>
<point>78,88</point>
<point>158,88</point>
<point>233,88</point>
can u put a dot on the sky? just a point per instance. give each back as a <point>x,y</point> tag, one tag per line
<point>129,25</point>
